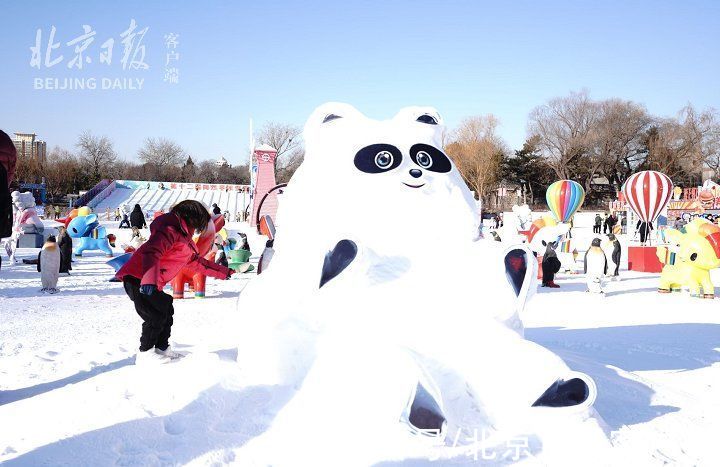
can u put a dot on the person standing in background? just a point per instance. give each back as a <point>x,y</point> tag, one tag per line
<point>137,219</point>
<point>65,244</point>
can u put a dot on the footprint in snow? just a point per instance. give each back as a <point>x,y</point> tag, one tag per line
<point>174,426</point>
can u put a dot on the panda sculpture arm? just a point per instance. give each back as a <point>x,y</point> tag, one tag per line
<point>337,260</point>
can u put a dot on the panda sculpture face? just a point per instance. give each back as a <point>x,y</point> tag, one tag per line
<point>390,163</point>
<point>387,182</point>
<point>415,168</point>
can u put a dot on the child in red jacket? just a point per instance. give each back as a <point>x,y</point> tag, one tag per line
<point>169,248</point>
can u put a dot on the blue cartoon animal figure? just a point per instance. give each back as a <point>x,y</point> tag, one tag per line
<point>91,235</point>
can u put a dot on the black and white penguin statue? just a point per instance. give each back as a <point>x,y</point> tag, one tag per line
<point>48,265</point>
<point>614,258</point>
<point>595,267</point>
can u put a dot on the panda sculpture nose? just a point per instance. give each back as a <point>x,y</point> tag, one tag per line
<point>416,173</point>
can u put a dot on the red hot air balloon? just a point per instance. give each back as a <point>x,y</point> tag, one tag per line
<point>648,193</point>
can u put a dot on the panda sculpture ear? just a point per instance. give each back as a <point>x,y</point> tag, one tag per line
<point>337,260</point>
<point>330,118</point>
<point>425,118</point>
<point>329,112</point>
<point>426,115</point>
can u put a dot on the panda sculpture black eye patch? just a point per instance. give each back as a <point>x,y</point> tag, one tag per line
<point>330,118</point>
<point>429,119</point>
<point>378,158</point>
<point>440,162</point>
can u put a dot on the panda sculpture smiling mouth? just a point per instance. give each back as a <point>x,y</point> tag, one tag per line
<point>382,158</point>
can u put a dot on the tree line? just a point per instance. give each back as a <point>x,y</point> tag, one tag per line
<point>94,158</point>
<point>598,143</point>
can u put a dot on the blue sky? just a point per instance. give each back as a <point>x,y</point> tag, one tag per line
<point>279,60</point>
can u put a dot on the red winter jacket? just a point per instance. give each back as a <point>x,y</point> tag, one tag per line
<point>8,156</point>
<point>169,248</point>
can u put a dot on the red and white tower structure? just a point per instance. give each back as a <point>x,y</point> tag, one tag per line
<point>263,166</point>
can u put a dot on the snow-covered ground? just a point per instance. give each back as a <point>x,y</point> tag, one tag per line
<point>71,395</point>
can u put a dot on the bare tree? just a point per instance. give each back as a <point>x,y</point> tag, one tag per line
<point>477,151</point>
<point>161,154</point>
<point>286,172</point>
<point>97,153</point>
<point>711,150</point>
<point>206,172</point>
<point>679,147</point>
<point>563,128</point>
<point>285,139</point>
<point>61,171</point>
<point>617,148</point>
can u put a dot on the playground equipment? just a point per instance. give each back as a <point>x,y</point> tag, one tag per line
<point>239,260</point>
<point>689,257</point>
<point>206,248</point>
<point>86,227</point>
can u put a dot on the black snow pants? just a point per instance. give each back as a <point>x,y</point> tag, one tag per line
<point>156,310</point>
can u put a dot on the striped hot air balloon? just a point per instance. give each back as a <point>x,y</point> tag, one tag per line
<point>564,197</point>
<point>648,193</point>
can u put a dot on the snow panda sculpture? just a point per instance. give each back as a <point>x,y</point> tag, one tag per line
<point>374,312</point>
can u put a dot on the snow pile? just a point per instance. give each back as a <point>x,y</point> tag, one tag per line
<point>70,394</point>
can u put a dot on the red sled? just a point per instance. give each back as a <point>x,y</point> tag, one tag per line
<point>267,227</point>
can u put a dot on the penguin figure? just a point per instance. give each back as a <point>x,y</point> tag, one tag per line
<point>614,259</point>
<point>550,265</point>
<point>595,267</point>
<point>48,265</point>
<point>220,256</point>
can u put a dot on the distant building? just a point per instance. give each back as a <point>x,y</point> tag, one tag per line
<point>28,146</point>
<point>222,162</point>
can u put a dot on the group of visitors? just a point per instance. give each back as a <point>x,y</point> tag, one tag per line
<point>239,216</point>
<point>135,219</point>
<point>52,212</point>
<point>607,223</point>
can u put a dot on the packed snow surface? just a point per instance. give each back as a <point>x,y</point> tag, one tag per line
<point>71,395</point>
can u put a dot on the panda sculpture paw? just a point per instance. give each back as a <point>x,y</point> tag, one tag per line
<point>574,391</point>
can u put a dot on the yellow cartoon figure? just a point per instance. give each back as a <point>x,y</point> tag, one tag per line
<point>689,257</point>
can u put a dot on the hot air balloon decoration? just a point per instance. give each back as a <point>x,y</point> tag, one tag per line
<point>564,197</point>
<point>647,193</point>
